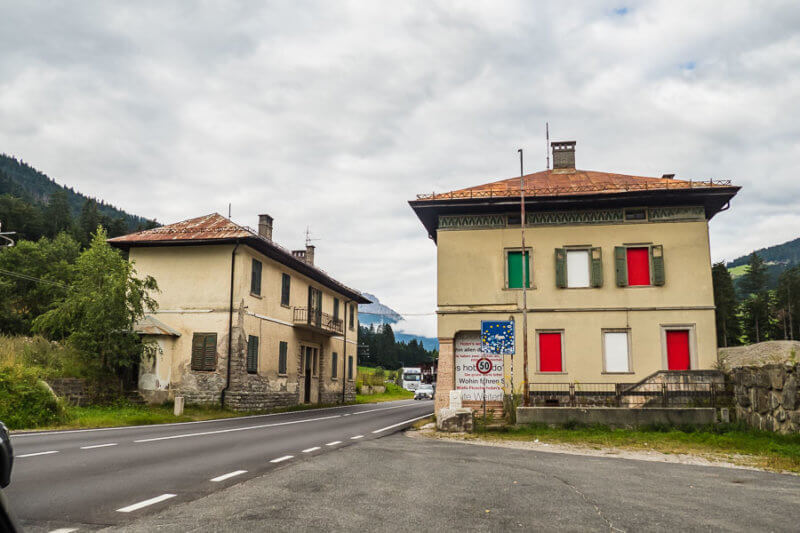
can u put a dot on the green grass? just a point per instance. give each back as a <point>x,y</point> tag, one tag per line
<point>393,392</point>
<point>737,271</point>
<point>734,443</point>
<point>126,414</point>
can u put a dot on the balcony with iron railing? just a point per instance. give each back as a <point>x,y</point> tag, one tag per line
<point>317,321</point>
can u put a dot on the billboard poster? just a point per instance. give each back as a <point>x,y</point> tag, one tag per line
<point>469,381</point>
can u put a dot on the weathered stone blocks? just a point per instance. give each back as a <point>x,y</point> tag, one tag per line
<point>767,397</point>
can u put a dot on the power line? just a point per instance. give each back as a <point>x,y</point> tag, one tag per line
<point>31,278</point>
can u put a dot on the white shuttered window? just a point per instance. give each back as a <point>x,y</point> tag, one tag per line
<point>616,351</point>
<point>577,268</point>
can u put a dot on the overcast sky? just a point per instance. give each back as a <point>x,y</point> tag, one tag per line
<point>333,115</point>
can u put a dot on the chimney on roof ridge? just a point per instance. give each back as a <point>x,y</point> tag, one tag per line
<point>563,154</point>
<point>668,176</point>
<point>310,254</point>
<point>265,226</point>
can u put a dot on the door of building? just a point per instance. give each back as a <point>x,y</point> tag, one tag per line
<point>678,353</point>
<point>307,392</point>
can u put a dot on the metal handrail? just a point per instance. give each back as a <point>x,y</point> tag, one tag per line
<point>318,319</point>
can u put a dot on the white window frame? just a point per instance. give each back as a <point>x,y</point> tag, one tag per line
<point>588,250</point>
<point>692,344</point>
<point>563,352</point>
<point>627,331</point>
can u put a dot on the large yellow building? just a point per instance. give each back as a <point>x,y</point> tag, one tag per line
<point>619,283</point>
<point>226,289</point>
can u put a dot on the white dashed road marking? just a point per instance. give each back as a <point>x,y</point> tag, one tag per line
<point>401,423</point>
<point>229,475</point>
<point>281,459</point>
<point>65,530</point>
<point>98,446</point>
<point>34,454</point>
<point>140,505</point>
<point>357,437</point>
<point>309,450</point>
<point>334,443</point>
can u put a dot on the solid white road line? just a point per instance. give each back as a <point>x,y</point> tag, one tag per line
<point>98,446</point>
<point>309,450</point>
<point>64,530</point>
<point>172,424</point>
<point>401,423</point>
<point>34,454</point>
<point>282,459</point>
<point>140,505</point>
<point>357,437</point>
<point>334,443</point>
<point>229,475</point>
<point>261,426</point>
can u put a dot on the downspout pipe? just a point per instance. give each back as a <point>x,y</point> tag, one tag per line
<point>344,349</point>
<point>230,328</point>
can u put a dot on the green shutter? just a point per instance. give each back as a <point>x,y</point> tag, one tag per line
<point>284,347</point>
<point>286,284</point>
<point>561,268</point>
<point>657,256</point>
<point>198,342</point>
<point>210,352</point>
<point>515,267</point>
<point>597,267</point>
<point>252,354</point>
<point>334,365</point>
<point>255,279</point>
<point>621,265</point>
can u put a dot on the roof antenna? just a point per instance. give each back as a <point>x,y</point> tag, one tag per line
<point>547,143</point>
<point>229,210</point>
<point>308,236</point>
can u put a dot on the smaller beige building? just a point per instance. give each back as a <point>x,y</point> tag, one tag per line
<point>241,320</point>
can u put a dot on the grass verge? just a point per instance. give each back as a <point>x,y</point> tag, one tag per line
<point>733,443</point>
<point>393,392</point>
<point>126,414</point>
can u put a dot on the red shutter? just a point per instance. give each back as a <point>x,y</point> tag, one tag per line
<point>550,352</point>
<point>678,350</point>
<point>638,266</point>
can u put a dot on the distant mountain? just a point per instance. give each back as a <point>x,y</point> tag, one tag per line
<point>21,180</point>
<point>377,314</point>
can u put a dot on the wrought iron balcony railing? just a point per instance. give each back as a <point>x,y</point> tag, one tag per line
<point>318,321</point>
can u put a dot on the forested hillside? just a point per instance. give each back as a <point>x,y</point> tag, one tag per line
<point>33,205</point>
<point>777,259</point>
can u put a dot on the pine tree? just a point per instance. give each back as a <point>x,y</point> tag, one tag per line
<point>756,308</point>
<point>728,330</point>
<point>87,222</point>
<point>58,216</point>
<point>788,302</point>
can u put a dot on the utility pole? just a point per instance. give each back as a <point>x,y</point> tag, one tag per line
<point>525,281</point>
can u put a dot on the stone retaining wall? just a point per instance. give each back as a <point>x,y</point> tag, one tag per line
<point>766,397</point>
<point>619,417</point>
<point>72,390</point>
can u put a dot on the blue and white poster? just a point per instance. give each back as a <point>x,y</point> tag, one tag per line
<point>497,337</point>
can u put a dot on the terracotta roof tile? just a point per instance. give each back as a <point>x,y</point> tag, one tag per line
<point>570,182</point>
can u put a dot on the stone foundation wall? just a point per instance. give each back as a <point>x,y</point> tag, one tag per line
<point>766,397</point>
<point>72,390</point>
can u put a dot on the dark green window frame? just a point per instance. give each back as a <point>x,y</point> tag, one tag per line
<point>657,270</point>
<point>350,368</point>
<point>352,316</point>
<point>334,365</point>
<point>252,354</point>
<point>514,267</point>
<point>283,350</point>
<point>255,278</point>
<point>286,284</point>
<point>204,352</point>
<point>595,266</point>
<point>336,308</point>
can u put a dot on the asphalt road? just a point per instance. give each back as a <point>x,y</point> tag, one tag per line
<point>87,479</point>
<point>414,484</point>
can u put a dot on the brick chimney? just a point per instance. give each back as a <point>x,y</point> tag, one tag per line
<point>563,154</point>
<point>265,226</point>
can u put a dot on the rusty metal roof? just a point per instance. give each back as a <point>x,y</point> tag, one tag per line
<point>560,182</point>
<point>216,229</point>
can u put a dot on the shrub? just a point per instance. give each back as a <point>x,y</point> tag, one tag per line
<point>25,401</point>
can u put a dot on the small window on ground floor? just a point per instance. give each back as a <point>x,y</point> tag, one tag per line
<point>204,351</point>
<point>283,349</point>
<point>252,354</point>
<point>550,349</point>
<point>616,351</point>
